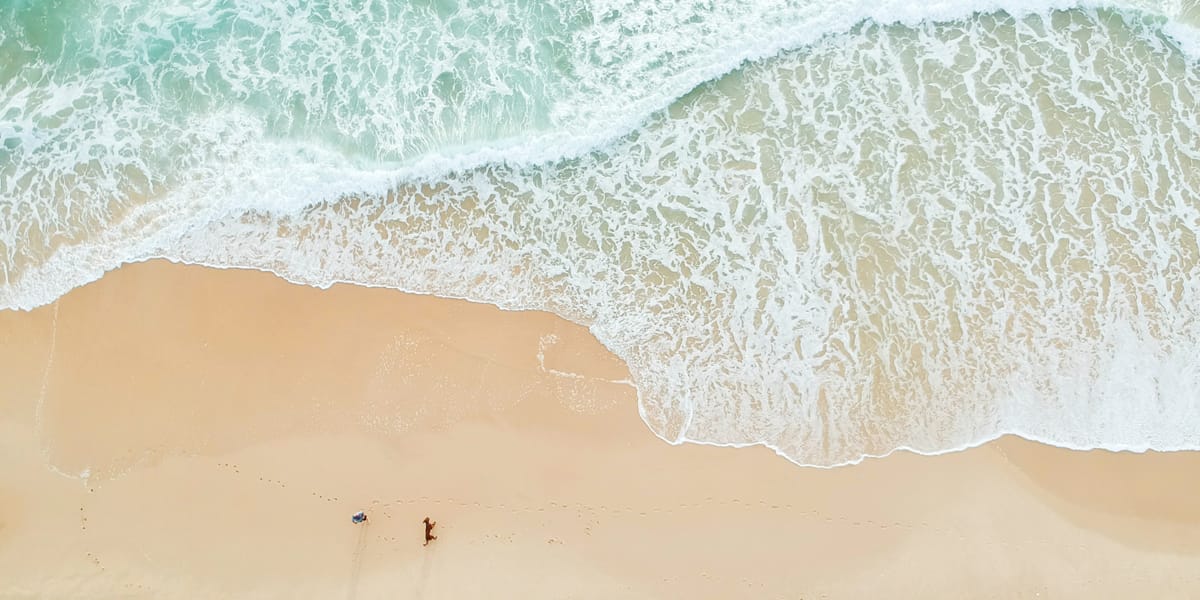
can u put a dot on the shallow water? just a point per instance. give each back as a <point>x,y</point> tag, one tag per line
<point>915,235</point>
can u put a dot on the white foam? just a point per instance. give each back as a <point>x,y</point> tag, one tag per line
<point>730,250</point>
<point>1186,36</point>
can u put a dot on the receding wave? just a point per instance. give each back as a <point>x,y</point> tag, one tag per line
<point>914,235</point>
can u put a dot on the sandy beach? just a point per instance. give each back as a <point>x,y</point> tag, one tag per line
<point>183,432</point>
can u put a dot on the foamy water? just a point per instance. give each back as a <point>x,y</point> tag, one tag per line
<point>921,230</point>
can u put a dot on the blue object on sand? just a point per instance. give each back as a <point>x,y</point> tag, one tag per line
<point>359,517</point>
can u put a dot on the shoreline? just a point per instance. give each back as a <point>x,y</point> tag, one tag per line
<point>683,441</point>
<point>232,422</point>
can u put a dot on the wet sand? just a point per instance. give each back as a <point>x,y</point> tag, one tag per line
<point>179,431</point>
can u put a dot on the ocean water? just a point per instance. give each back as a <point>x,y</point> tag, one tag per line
<point>834,228</point>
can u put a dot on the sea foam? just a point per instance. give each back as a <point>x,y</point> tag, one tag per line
<point>900,234</point>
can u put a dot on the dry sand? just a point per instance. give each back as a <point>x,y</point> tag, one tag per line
<point>176,431</point>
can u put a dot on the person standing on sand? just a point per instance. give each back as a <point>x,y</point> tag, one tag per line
<point>429,537</point>
<point>359,517</point>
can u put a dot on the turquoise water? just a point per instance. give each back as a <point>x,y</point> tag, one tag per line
<point>125,100</point>
<point>381,81</point>
<point>892,227</point>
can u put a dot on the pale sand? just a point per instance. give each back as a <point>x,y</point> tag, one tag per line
<point>232,423</point>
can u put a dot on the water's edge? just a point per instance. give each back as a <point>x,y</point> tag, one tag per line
<point>684,440</point>
<point>69,259</point>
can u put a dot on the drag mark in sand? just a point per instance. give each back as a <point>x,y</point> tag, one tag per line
<point>39,407</point>
<point>41,401</point>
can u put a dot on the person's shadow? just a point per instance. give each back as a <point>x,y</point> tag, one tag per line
<point>356,561</point>
<point>426,568</point>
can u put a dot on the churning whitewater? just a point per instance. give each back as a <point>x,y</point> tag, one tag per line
<point>890,228</point>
